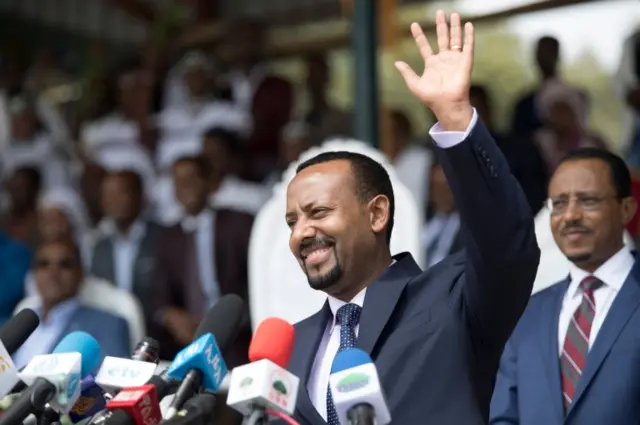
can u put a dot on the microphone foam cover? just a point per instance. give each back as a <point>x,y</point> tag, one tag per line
<point>273,340</point>
<point>223,320</point>
<point>84,344</point>
<point>348,358</point>
<point>18,328</point>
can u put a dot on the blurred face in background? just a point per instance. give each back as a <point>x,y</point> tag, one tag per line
<point>24,124</point>
<point>133,92</point>
<point>563,118</point>
<point>122,197</point>
<point>57,272</point>
<point>547,56</point>
<point>199,80</point>
<point>587,218</point>
<point>191,185</point>
<point>221,160</point>
<point>53,224</point>
<point>23,189</point>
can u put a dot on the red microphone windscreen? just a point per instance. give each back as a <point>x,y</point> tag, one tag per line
<point>273,340</point>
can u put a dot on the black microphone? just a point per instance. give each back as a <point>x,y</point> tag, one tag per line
<point>197,411</point>
<point>200,364</point>
<point>18,328</point>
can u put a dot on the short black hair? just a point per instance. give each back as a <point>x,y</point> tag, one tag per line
<point>371,179</point>
<point>550,41</point>
<point>620,175</point>
<point>201,163</point>
<point>231,140</point>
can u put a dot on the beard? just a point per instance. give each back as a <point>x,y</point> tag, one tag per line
<point>324,281</point>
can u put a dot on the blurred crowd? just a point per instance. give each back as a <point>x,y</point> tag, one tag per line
<point>129,211</point>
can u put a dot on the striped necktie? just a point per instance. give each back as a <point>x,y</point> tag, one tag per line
<point>576,343</point>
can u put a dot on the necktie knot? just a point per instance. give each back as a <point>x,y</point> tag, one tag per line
<point>590,284</point>
<point>348,315</point>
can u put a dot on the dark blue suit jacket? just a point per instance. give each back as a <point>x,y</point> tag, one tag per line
<point>436,337</point>
<point>528,388</point>
<point>110,331</point>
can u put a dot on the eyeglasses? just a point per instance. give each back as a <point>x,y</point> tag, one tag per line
<point>66,264</point>
<point>585,202</point>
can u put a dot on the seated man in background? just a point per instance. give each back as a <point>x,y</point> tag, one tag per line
<point>58,273</point>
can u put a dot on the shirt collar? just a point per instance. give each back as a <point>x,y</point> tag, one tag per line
<point>612,272</point>
<point>61,311</point>
<point>136,232</point>
<point>193,223</point>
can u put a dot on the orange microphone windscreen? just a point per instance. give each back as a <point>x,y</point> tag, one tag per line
<point>273,340</point>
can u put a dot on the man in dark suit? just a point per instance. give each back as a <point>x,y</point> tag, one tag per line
<point>57,270</point>
<point>125,254</point>
<point>573,358</point>
<point>200,259</point>
<point>435,336</point>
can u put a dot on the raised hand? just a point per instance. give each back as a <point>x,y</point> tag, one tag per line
<point>445,81</point>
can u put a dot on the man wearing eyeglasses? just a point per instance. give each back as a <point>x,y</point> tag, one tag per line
<point>58,275</point>
<point>574,357</point>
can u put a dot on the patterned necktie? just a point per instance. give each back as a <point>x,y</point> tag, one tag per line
<point>576,343</point>
<point>348,317</point>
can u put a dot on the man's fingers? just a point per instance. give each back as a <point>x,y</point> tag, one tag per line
<point>411,79</point>
<point>421,41</point>
<point>456,32</point>
<point>442,30</point>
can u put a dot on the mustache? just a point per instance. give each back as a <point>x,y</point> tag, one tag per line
<point>311,242</point>
<point>574,228</point>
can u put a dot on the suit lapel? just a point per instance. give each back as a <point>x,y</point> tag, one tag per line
<point>307,346</point>
<point>548,345</point>
<point>623,307</point>
<point>381,298</point>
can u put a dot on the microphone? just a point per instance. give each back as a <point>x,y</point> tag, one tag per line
<point>55,378</point>
<point>135,405</point>
<point>17,329</point>
<point>90,402</point>
<point>264,384</point>
<point>116,373</point>
<point>356,391</point>
<point>197,411</point>
<point>200,364</point>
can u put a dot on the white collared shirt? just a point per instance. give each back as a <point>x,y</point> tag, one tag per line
<point>125,252</point>
<point>319,378</point>
<point>327,350</point>
<point>204,225</point>
<point>613,274</point>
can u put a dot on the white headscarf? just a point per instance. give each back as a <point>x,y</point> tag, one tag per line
<point>70,204</point>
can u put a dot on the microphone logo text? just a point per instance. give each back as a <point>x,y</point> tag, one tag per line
<point>353,382</point>
<point>279,391</point>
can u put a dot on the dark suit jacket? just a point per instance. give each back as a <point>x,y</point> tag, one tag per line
<point>111,332</point>
<point>172,286</point>
<point>102,264</point>
<point>528,387</point>
<point>436,336</point>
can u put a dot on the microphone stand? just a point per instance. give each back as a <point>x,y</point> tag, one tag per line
<point>48,416</point>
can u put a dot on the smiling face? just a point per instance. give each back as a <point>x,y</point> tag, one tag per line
<point>334,235</point>
<point>587,217</point>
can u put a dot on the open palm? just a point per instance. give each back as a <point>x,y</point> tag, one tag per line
<point>446,78</point>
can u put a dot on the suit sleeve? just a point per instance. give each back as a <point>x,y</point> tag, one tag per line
<point>502,253</point>
<point>504,403</point>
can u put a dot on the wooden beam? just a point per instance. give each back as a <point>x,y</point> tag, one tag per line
<point>291,41</point>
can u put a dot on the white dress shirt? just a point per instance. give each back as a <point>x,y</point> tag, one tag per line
<point>204,225</point>
<point>612,273</point>
<point>125,253</point>
<point>319,377</point>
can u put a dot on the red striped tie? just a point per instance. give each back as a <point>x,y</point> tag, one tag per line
<point>576,343</point>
